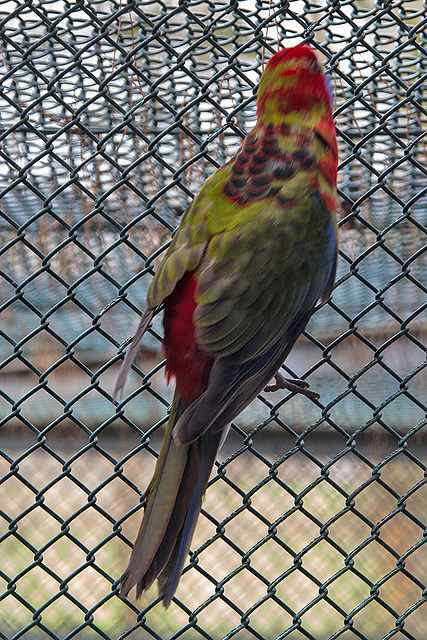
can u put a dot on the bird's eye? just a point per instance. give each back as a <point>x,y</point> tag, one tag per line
<point>314,66</point>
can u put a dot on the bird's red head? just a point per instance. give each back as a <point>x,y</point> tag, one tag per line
<point>299,52</point>
<point>293,82</point>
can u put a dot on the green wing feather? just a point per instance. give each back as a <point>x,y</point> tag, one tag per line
<point>239,295</point>
<point>161,497</point>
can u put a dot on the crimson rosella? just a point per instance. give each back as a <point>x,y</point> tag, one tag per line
<point>253,254</point>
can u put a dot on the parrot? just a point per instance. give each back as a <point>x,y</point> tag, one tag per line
<point>252,256</point>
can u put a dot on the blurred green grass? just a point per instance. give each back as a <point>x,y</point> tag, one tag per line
<point>268,579</point>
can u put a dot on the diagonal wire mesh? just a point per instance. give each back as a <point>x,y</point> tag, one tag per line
<point>112,114</point>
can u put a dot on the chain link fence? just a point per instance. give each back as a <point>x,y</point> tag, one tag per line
<point>112,114</point>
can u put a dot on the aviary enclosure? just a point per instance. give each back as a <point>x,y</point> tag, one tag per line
<point>314,526</point>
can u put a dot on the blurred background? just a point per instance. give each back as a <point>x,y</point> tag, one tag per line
<point>112,115</point>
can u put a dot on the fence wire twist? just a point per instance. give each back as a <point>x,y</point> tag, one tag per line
<point>112,114</point>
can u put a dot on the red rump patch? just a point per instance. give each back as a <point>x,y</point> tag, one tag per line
<point>189,365</point>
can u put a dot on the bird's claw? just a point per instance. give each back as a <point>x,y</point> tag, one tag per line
<point>292,384</point>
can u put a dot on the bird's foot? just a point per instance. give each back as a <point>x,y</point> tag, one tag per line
<point>292,384</point>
